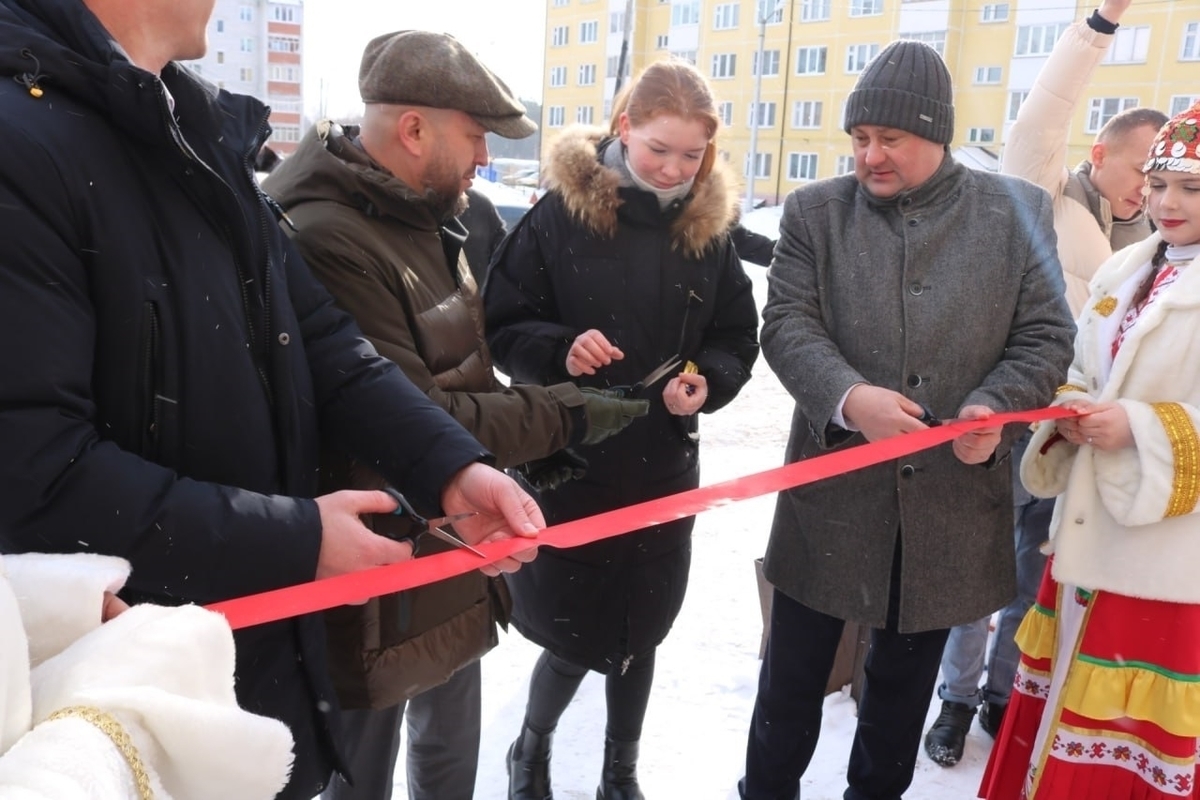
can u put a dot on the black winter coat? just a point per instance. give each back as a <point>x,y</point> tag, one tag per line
<point>661,283</point>
<point>168,357</point>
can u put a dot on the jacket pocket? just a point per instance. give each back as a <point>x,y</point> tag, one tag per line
<point>150,380</point>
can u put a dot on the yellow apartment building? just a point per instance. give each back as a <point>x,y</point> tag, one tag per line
<point>813,50</point>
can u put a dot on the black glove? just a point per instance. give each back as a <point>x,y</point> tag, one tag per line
<point>551,472</point>
<point>608,413</point>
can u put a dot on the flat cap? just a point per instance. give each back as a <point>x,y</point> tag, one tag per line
<point>421,68</point>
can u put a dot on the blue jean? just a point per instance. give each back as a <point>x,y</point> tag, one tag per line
<point>966,649</point>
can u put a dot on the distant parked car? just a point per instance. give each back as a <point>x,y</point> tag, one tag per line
<point>511,202</point>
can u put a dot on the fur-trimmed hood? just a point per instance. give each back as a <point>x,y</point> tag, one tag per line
<point>589,192</point>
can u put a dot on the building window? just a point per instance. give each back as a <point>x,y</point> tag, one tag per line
<point>220,56</point>
<point>802,167</point>
<point>814,10</point>
<point>770,11</point>
<point>866,8</point>
<point>724,65</point>
<point>246,75</point>
<point>725,16</point>
<point>686,12</point>
<point>1182,102</point>
<point>935,39</point>
<point>283,44</point>
<point>291,105</point>
<point>246,13</point>
<point>616,22</point>
<point>810,60</point>
<point>987,75</point>
<point>561,3</point>
<point>765,117</point>
<point>558,77</point>
<point>686,55</point>
<point>589,32</point>
<point>1102,109</point>
<point>1129,46</point>
<point>556,116</point>
<point>770,63</point>
<point>994,12</point>
<point>611,66</point>
<point>587,74</point>
<point>660,41</point>
<point>559,36</point>
<point>247,44</point>
<point>220,26</point>
<point>859,55</point>
<point>762,165</point>
<point>283,13</point>
<point>725,112</point>
<point>981,135</point>
<point>806,114</point>
<point>1038,40</point>
<point>285,73</point>
<point>1015,99</point>
<point>1190,49</point>
<point>845,165</point>
<point>584,114</point>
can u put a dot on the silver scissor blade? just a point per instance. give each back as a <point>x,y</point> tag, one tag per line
<point>446,536</point>
<point>670,365</point>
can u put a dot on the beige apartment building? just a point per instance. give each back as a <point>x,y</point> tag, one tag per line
<point>813,50</point>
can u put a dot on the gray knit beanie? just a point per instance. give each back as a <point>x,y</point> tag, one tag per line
<point>906,86</point>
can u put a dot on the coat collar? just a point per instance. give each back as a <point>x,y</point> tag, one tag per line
<point>593,194</point>
<point>942,185</point>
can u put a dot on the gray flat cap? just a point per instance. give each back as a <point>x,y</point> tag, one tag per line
<point>420,68</point>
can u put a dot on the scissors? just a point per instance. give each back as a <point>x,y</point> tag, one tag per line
<point>431,526</point>
<point>665,368</point>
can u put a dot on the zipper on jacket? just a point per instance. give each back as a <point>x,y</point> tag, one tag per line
<point>150,379</point>
<point>687,311</point>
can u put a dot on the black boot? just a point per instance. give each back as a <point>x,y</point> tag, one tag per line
<point>944,741</point>
<point>618,779</point>
<point>991,717</point>
<point>529,766</point>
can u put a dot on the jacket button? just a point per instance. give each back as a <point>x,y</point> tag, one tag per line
<point>284,339</point>
<point>1079,520</point>
<point>914,381</point>
<point>915,289</point>
<point>907,471</point>
<point>912,223</point>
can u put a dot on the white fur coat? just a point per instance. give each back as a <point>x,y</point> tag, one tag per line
<point>166,674</point>
<point>1127,520</point>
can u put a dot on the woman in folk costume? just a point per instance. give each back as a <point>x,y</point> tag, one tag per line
<point>1107,695</point>
<point>625,265</point>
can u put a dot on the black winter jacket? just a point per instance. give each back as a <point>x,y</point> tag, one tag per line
<point>168,357</point>
<point>592,254</point>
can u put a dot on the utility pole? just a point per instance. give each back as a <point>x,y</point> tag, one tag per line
<point>623,59</point>
<point>764,15</point>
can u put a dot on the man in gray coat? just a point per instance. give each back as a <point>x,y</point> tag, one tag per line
<point>912,290</point>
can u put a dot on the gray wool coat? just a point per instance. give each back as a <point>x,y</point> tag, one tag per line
<point>952,294</point>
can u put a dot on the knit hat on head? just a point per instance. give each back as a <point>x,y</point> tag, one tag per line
<point>422,68</point>
<point>906,86</point>
<point>1176,148</point>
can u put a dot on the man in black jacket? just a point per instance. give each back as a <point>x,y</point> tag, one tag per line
<point>169,359</point>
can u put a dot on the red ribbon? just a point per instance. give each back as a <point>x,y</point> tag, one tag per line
<point>357,587</point>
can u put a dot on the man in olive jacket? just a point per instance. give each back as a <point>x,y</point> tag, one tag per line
<point>915,284</point>
<point>374,211</point>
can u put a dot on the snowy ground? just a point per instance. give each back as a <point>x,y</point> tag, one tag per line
<point>694,740</point>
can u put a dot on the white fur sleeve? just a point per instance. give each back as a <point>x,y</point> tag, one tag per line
<point>1160,476</point>
<point>1045,473</point>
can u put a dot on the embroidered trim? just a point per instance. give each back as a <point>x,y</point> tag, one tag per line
<point>1106,306</point>
<point>1068,387</point>
<point>1185,449</point>
<point>111,728</point>
<point>1168,775</point>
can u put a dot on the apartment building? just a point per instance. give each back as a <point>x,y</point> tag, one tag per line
<point>255,48</point>
<point>813,50</point>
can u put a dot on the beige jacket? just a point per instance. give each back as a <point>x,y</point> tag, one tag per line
<point>1035,150</point>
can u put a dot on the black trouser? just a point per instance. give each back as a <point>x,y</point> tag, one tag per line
<point>901,670</point>
<point>555,681</point>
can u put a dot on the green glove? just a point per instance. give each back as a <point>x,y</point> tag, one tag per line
<point>608,413</point>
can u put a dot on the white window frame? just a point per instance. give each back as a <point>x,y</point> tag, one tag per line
<point>806,56</point>
<point>1035,41</point>
<point>772,12</point>
<point>561,3</point>
<point>770,61</point>
<point>662,41</point>
<point>814,10</point>
<point>765,116</point>
<point>283,13</point>
<point>616,22</point>
<point>725,112</point>
<point>993,12</point>
<point>1130,45</point>
<point>855,60</point>
<point>558,77</point>
<point>1189,44</point>
<point>762,165</point>
<point>1102,109</point>
<point>807,114</point>
<point>587,74</point>
<point>844,165</point>
<point>556,116</point>
<point>724,66</point>
<point>981,135</point>
<point>1181,103</point>
<point>725,16</point>
<point>935,39</point>
<point>802,166</point>
<point>685,12</point>
<point>560,35</point>
<point>246,13</point>
<point>589,32</point>
<point>866,8</point>
<point>1015,99</point>
<point>988,76</point>
<point>585,115</point>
